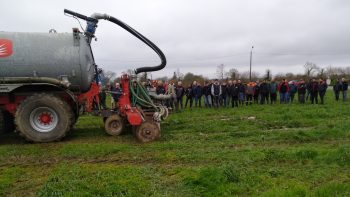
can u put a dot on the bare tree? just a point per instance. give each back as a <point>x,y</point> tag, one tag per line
<point>220,71</point>
<point>322,73</point>
<point>310,68</point>
<point>108,76</point>
<point>179,75</point>
<point>174,78</point>
<point>290,76</point>
<point>130,72</point>
<point>268,75</point>
<point>232,74</point>
<point>245,76</point>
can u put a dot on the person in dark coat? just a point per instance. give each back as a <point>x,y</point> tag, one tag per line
<point>301,91</point>
<point>234,89</point>
<point>273,91</point>
<point>160,88</point>
<point>283,89</point>
<point>241,95</point>
<point>102,95</point>
<point>344,89</point>
<point>229,93</point>
<point>308,90</point>
<point>314,91</point>
<point>180,92</point>
<point>256,92</point>
<point>216,92</point>
<point>116,93</point>
<point>189,95</point>
<point>264,92</point>
<point>292,91</point>
<point>250,92</point>
<point>207,94</point>
<point>337,88</point>
<point>197,92</point>
<point>322,88</point>
<point>223,97</point>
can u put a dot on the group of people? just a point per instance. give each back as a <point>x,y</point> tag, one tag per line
<point>234,93</point>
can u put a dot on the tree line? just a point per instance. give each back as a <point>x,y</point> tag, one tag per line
<point>223,72</point>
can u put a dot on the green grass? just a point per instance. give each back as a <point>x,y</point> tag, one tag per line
<point>288,150</point>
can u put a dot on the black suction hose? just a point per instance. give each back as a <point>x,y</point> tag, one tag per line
<point>139,36</point>
<point>94,20</point>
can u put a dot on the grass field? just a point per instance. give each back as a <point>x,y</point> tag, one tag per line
<point>287,150</point>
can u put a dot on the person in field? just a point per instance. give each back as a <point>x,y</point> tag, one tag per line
<point>273,92</point>
<point>337,88</point>
<point>314,89</point>
<point>264,92</point>
<point>229,93</point>
<point>197,92</point>
<point>241,95</point>
<point>216,92</point>
<point>344,89</point>
<point>160,88</point>
<point>250,92</point>
<point>180,92</point>
<point>308,90</point>
<point>234,93</point>
<point>292,91</point>
<point>116,93</point>
<point>223,97</point>
<point>189,95</point>
<point>283,89</point>
<point>172,93</point>
<point>301,91</point>
<point>256,92</point>
<point>207,94</point>
<point>322,88</point>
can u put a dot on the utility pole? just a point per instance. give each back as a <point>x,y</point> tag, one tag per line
<point>251,58</point>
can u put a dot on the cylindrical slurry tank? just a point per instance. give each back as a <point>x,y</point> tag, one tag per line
<point>54,55</point>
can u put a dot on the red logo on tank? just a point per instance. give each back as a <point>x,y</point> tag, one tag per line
<point>5,48</point>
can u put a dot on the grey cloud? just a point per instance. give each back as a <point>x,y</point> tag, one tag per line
<point>196,36</point>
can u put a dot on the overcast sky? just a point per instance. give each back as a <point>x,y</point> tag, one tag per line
<point>198,35</point>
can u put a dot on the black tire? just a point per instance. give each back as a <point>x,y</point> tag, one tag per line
<point>7,124</point>
<point>114,125</point>
<point>74,120</point>
<point>147,132</point>
<point>43,118</point>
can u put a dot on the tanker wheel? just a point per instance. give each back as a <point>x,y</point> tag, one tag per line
<point>114,125</point>
<point>148,131</point>
<point>43,118</point>
<point>6,122</point>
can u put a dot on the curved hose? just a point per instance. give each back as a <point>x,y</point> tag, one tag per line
<point>140,37</point>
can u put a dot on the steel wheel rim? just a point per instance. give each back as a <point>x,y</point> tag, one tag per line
<point>147,133</point>
<point>43,119</point>
<point>115,125</point>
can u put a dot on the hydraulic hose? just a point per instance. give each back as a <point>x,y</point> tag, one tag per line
<point>140,37</point>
